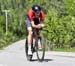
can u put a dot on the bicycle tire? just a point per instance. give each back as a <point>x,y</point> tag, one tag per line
<point>29,57</point>
<point>39,51</point>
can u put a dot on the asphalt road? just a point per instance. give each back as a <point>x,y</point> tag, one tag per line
<point>14,55</point>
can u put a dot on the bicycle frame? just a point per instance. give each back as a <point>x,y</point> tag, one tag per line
<point>37,36</point>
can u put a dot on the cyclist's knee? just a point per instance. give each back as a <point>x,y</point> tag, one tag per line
<point>30,32</point>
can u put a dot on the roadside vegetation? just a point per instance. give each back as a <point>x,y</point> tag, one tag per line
<point>59,19</point>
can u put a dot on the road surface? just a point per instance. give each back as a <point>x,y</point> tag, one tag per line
<point>14,55</point>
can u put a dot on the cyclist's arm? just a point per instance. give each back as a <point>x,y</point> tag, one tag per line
<point>42,18</point>
<point>35,26</point>
<point>32,23</point>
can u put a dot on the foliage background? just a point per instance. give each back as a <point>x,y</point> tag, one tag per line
<point>59,19</point>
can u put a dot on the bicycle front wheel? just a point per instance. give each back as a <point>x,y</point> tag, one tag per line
<point>29,57</point>
<point>40,48</point>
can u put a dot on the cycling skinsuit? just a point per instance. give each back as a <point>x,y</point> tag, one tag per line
<point>31,17</point>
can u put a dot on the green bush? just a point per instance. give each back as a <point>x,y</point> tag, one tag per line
<point>59,19</point>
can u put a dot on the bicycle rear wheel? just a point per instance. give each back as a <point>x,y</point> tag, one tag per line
<point>29,57</point>
<point>40,48</point>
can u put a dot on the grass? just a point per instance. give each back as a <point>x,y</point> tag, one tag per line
<point>65,49</point>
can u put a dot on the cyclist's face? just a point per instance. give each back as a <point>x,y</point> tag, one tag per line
<point>37,14</point>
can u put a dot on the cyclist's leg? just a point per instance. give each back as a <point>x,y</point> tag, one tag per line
<point>29,28</point>
<point>39,37</point>
<point>29,41</point>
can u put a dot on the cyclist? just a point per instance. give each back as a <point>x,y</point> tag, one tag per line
<point>35,18</point>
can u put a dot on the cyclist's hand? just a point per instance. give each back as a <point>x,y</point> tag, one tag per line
<point>38,26</point>
<point>42,25</point>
